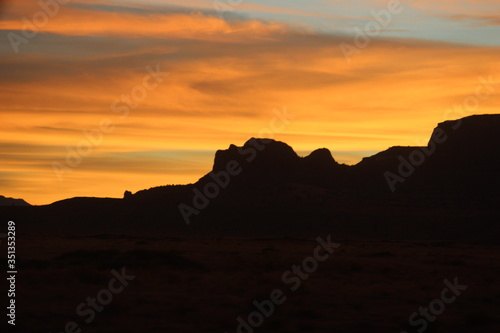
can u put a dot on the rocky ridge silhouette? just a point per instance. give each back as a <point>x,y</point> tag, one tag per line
<point>447,190</point>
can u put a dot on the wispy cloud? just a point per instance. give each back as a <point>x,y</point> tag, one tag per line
<point>477,20</point>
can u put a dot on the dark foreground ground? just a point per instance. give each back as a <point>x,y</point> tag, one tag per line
<point>204,285</point>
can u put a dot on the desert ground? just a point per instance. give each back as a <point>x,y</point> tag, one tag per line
<point>205,284</point>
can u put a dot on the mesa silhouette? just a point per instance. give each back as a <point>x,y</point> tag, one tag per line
<point>447,190</point>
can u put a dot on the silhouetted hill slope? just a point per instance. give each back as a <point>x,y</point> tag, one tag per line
<point>320,160</point>
<point>461,160</point>
<point>467,162</point>
<point>264,188</point>
<point>12,202</point>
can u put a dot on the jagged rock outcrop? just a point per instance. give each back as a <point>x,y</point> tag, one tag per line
<point>263,157</point>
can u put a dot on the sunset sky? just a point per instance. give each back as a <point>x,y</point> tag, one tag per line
<point>225,71</point>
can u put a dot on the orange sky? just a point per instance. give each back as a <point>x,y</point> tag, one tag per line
<point>225,81</point>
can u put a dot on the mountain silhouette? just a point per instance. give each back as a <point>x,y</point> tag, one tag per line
<point>320,160</point>
<point>12,202</point>
<point>264,188</point>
